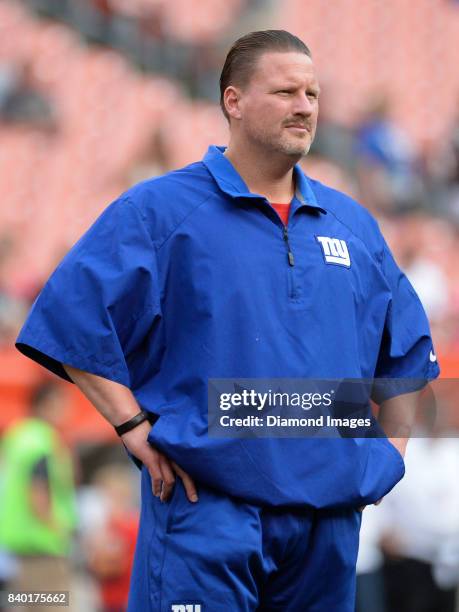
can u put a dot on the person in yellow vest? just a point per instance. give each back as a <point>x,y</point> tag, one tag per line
<point>37,509</point>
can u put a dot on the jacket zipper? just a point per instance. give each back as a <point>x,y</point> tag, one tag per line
<point>291,259</point>
<point>291,263</point>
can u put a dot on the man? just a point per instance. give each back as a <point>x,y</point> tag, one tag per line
<point>195,276</point>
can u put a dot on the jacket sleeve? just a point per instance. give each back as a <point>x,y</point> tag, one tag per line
<point>100,302</point>
<point>407,359</point>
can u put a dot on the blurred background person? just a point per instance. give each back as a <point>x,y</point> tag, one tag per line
<point>419,522</point>
<point>20,101</point>
<point>387,165</point>
<point>108,522</point>
<point>421,540</point>
<point>37,510</point>
<point>370,560</point>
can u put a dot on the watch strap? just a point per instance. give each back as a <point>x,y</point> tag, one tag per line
<point>133,422</point>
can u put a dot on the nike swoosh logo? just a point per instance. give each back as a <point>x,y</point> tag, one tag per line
<point>432,357</point>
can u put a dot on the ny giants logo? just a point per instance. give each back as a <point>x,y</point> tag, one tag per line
<point>335,251</point>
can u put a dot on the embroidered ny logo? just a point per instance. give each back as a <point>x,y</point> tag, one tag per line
<point>335,251</point>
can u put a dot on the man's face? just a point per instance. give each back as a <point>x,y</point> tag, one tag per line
<point>279,106</point>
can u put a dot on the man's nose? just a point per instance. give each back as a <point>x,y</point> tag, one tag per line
<point>303,105</point>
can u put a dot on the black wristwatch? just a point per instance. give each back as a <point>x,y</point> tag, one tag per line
<point>142,416</point>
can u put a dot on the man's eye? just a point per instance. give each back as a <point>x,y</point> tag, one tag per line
<point>284,91</point>
<point>313,95</point>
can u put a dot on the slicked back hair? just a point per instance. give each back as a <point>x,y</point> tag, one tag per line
<point>243,56</point>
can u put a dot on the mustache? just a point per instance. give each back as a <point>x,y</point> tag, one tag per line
<point>297,123</point>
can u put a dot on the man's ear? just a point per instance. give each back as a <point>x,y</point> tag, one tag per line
<point>231,100</point>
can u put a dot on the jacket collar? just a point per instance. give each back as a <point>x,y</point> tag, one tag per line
<point>230,182</point>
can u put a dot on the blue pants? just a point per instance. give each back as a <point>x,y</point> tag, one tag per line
<point>223,555</point>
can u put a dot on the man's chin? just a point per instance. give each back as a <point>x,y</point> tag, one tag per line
<point>295,149</point>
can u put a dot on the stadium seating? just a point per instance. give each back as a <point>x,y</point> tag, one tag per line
<point>109,119</point>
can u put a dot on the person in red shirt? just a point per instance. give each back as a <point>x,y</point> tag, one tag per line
<point>111,548</point>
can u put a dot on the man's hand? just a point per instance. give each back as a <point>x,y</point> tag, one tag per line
<point>400,444</point>
<point>160,468</point>
<point>117,404</point>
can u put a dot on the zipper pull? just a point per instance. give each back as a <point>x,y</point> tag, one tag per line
<point>291,259</point>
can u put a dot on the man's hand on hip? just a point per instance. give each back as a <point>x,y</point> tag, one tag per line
<point>162,470</point>
<point>117,404</point>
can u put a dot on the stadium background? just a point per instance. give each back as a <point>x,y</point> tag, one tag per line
<point>98,94</point>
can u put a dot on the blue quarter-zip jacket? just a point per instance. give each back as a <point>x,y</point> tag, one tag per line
<point>189,276</point>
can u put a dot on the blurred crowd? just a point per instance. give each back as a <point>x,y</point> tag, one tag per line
<point>173,38</point>
<point>98,94</point>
